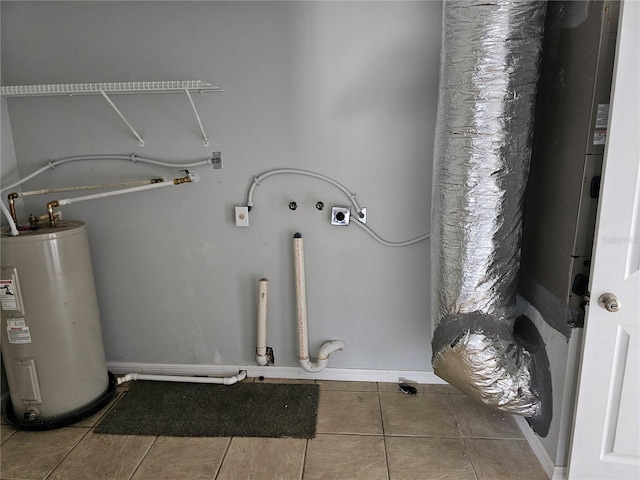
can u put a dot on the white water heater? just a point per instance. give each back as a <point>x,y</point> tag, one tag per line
<point>51,336</point>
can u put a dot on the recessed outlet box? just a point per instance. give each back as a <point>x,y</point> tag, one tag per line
<point>362,216</point>
<point>242,216</point>
<point>340,216</point>
<point>216,160</point>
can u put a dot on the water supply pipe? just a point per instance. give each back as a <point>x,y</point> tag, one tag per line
<point>261,323</point>
<point>52,164</point>
<point>101,186</point>
<point>327,348</point>
<point>15,195</point>
<point>184,379</point>
<point>189,177</point>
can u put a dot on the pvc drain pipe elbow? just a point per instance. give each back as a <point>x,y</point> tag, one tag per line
<point>326,349</point>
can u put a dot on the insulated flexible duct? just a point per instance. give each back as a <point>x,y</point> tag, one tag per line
<point>488,74</point>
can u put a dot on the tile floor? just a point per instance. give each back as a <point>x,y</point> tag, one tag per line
<point>365,431</point>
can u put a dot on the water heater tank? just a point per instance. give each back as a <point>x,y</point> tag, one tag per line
<point>51,336</point>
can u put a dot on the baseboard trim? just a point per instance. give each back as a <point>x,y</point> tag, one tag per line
<point>341,374</point>
<point>553,472</point>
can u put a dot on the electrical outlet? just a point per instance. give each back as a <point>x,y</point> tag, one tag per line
<point>340,216</point>
<point>242,216</point>
<point>362,217</point>
<point>216,160</point>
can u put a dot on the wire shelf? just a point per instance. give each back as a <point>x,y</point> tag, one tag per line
<point>106,89</point>
<point>109,88</point>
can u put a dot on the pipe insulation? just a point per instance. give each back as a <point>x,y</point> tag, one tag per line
<point>488,74</point>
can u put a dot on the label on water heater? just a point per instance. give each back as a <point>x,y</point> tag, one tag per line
<point>602,115</point>
<point>8,295</point>
<point>602,120</point>
<point>600,137</point>
<point>17,331</point>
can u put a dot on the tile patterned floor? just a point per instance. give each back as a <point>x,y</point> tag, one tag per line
<point>365,431</point>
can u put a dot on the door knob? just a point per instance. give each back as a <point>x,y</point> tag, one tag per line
<point>609,302</point>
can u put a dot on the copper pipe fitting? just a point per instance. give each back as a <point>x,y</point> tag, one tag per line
<point>52,217</point>
<point>178,181</point>
<point>12,206</point>
<point>34,221</point>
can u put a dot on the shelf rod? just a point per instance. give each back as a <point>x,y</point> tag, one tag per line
<point>113,105</point>
<point>193,106</point>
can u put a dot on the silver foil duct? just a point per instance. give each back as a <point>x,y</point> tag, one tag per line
<point>488,74</point>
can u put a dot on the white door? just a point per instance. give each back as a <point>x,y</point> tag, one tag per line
<point>605,444</point>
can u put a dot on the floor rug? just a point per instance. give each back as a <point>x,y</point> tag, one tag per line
<point>210,410</point>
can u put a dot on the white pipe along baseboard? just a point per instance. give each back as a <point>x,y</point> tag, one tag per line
<point>184,379</point>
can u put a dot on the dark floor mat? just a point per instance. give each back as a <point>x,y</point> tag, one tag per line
<point>209,410</point>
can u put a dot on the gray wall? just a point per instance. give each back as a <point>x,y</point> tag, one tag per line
<point>344,89</point>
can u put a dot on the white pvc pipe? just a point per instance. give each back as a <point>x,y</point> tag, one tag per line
<point>177,378</point>
<point>261,323</point>
<point>12,225</point>
<point>301,296</point>
<point>327,348</point>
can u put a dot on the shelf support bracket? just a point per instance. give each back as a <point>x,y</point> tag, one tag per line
<point>193,106</point>
<point>113,105</point>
